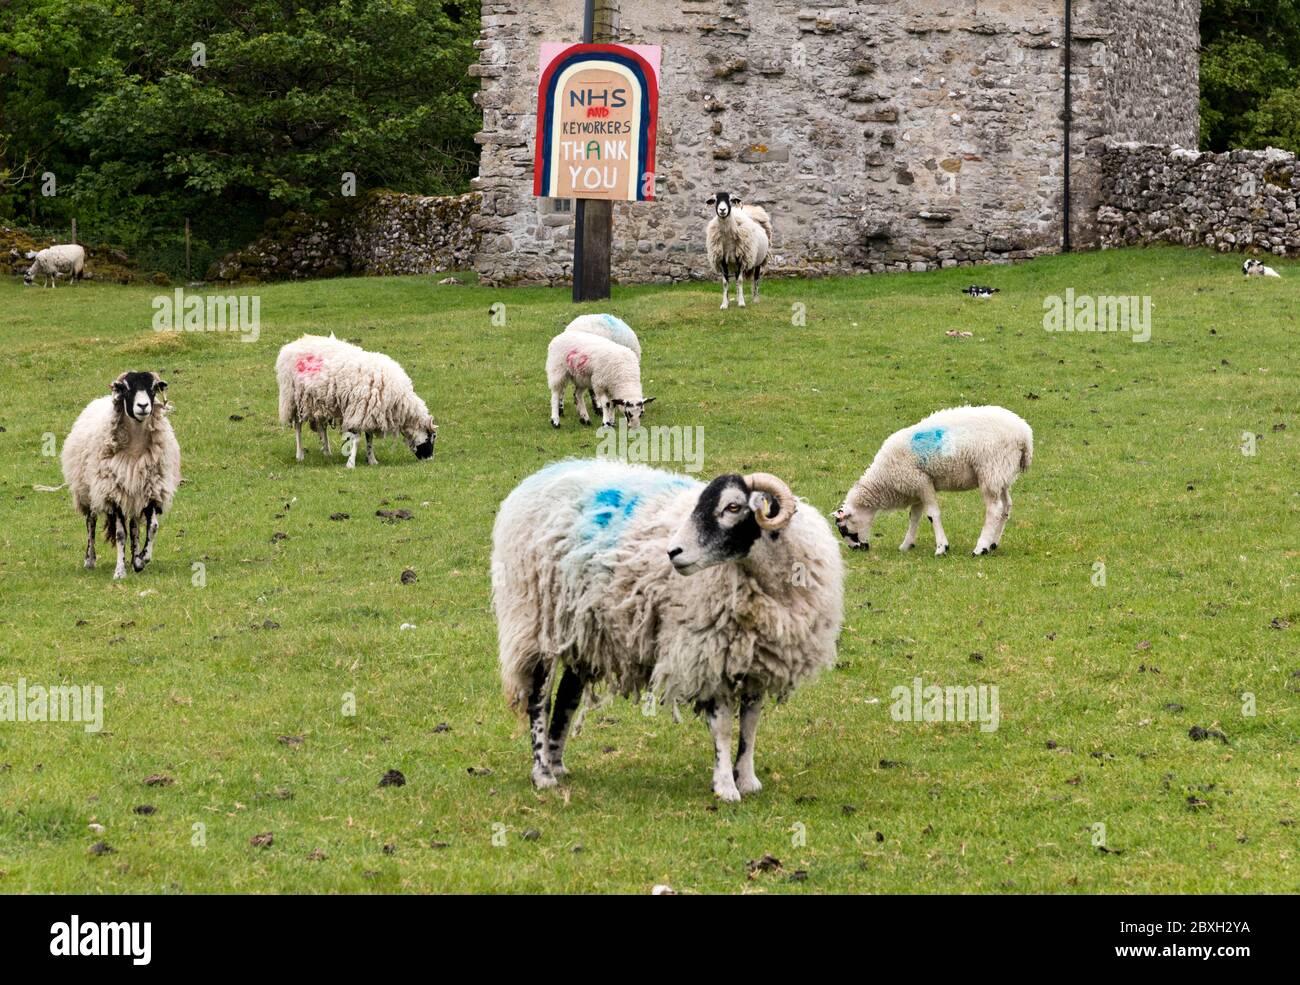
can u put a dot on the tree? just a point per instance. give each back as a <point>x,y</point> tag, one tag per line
<point>1250,73</point>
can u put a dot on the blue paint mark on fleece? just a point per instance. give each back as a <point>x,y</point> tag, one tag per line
<point>621,507</point>
<point>618,329</point>
<point>930,443</point>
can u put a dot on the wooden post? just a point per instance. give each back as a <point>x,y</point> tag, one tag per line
<point>74,229</point>
<point>593,224</point>
<point>187,248</point>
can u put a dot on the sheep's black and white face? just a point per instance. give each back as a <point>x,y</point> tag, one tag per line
<point>723,203</point>
<point>136,394</point>
<point>421,440</point>
<point>854,525</point>
<point>630,409</point>
<point>721,527</point>
<point>1249,266</point>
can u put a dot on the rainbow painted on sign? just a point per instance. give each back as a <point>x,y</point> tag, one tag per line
<point>597,113</point>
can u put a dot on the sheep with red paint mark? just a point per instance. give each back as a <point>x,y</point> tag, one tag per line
<point>327,381</point>
<point>611,372</point>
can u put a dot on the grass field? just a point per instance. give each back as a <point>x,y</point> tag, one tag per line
<point>237,690</point>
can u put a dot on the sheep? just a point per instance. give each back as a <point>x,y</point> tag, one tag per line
<point>610,372</point>
<point>121,459</point>
<point>327,381</point>
<point>956,449</point>
<point>737,240</point>
<point>589,561</point>
<point>1256,268</point>
<point>607,327</point>
<point>68,260</point>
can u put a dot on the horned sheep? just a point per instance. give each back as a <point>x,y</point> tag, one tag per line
<point>68,260</point>
<point>610,372</point>
<point>121,459</point>
<point>588,582</point>
<point>328,381</point>
<point>737,240</point>
<point>956,449</point>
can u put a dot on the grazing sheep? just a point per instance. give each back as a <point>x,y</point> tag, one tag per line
<point>1256,268</point>
<point>610,372</point>
<point>121,459</point>
<point>54,261</point>
<point>737,240</point>
<point>607,327</point>
<point>956,449</point>
<point>327,381</point>
<point>588,561</point>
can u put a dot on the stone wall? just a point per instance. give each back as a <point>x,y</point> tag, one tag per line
<point>880,134</point>
<point>382,233</point>
<point>1240,200</point>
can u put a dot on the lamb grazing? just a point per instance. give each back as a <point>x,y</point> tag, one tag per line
<point>737,239</point>
<point>1256,268</point>
<point>956,449</point>
<point>121,459</point>
<point>327,381</point>
<point>52,262</point>
<point>610,372</point>
<point>589,562</point>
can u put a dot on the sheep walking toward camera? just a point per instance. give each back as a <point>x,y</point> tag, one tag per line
<point>737,240</point>
<point>610,372</point>
<point>327,381</point>
<point>957,449</point>
<point>53,262</point>
<point>121,459</point>
<point>589,586</point>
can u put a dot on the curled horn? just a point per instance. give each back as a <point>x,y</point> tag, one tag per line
<point>765,483</point>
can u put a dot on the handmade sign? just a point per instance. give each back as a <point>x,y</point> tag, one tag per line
<point>597,111</point>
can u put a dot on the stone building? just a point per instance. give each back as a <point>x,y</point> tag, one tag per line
<point>880,134</point>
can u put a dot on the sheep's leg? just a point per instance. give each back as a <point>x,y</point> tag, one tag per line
<point>136,561</point>
<point>119,529</point>
<point>297,441</point>
<point>740,285</point>
<point>91,519</point>
<point>557,398</point>
<point>750,708</point>
<point>992,513</point>
<point>758,276</point>
<point>719,718</point>
<point>539,705</point>
<point>930,503</point>
<point>150,531</point>
<point>323,430</point>
<point>581,404</point>
<point>913,523</point>
<point>1004,514</point>
<point>350,443</point>
<point>370,451</point>
<point>567,696</point>
<point>726,284</point>
<point>595,407</point>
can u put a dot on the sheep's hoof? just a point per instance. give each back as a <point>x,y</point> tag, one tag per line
<point>941,550</point>
<point>559,770</point>
<point>119,574</point>
<point>543,779</point>
<point>747,785</point>
<point>554,423</point>
<point>979,551</point>
<point>905,547</point>
<point>723,306</point>
<point>90,564</point>
<point>138,563</point>
<point>993,547</point>
<point>586,422</point>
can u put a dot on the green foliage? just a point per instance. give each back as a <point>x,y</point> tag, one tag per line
<point>151,111</point>
<point>1250,74</point>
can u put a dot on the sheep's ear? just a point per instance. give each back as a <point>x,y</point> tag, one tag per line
<point>118,385</point>
<point>159,385</point>
<point>713,200</point>
<point>737,201</point>
<point>647,400</point>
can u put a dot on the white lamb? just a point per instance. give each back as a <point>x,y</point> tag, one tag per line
<point>53,262</point>
<point>327,381</point>
<point>956,449</point>
<point>588,561</point>
<point>121,459</point>
<point>737,240</point>
<point>611,372</point>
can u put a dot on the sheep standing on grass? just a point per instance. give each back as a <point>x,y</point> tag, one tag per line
<point>121,459</point>
<point>610,372</point>
<point>737,240</point>
<point>327,381</point>
<point>956,449</point>
<point>588,566</point>
<point>57,261</point>
<point>607,327</point>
